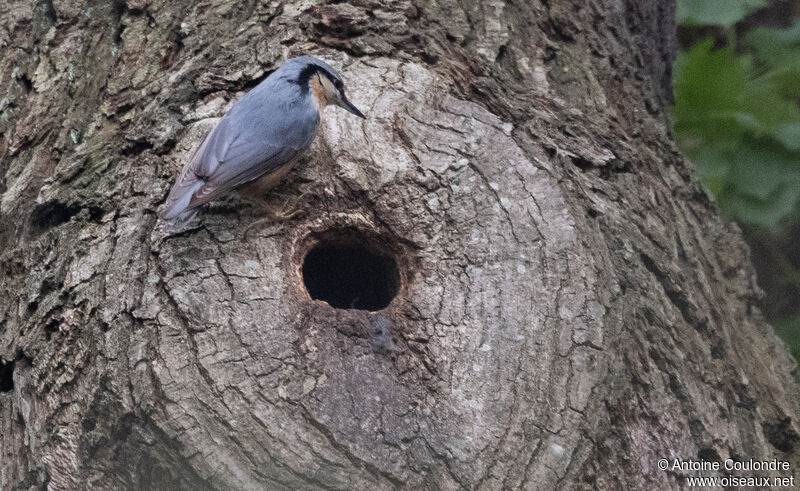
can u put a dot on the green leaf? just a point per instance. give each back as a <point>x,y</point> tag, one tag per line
<point>713,165</point>
<point>778,54</point>
<point>757,181</point>
<point>789,135</point>
<point>764,102</point>
<point>710,80</point>
<point>750,121</point>
<point>718,100</point>
<point>736,117</point>
<point>785,77</point>
<point>758,168</point>
<point>710,87</point>
<point>715,12</point>
<point>773,45</point>
<point>789,330</point>
<point>763,213</point>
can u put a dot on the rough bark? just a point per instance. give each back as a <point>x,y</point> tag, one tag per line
<point>571,308</point>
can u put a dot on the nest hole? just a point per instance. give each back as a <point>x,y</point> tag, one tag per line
<point>6,375</point>
<point>350,272</point>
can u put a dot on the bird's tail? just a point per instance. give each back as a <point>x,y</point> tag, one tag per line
<point>179,222</point>
<point>177,216</point>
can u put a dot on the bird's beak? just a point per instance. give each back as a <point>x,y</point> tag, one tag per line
<point>351,108</point>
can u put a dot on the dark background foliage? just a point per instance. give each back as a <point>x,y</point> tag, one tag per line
<point>737,87</point>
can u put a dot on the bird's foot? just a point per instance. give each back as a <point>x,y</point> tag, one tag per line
<point>290,208</point>
<point>288,211</point>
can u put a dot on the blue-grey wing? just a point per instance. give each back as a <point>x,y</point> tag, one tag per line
<point>243,162</point>
<point>232,155</point>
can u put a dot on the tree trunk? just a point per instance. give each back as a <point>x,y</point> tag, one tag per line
<point>569,307</point>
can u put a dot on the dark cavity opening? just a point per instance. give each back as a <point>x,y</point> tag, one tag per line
<point>6,375</point>
<point>350,275</point>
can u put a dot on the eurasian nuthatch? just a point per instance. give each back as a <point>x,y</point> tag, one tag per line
<point>260,138</point>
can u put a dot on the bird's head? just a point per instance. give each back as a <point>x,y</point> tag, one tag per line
<point>324,83</point>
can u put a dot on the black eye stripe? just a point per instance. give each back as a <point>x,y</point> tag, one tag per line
<point>311,70</point>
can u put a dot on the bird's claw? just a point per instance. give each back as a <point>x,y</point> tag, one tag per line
<point>288,211</point>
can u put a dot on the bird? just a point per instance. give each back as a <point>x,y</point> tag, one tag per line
<point>258,140</point>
